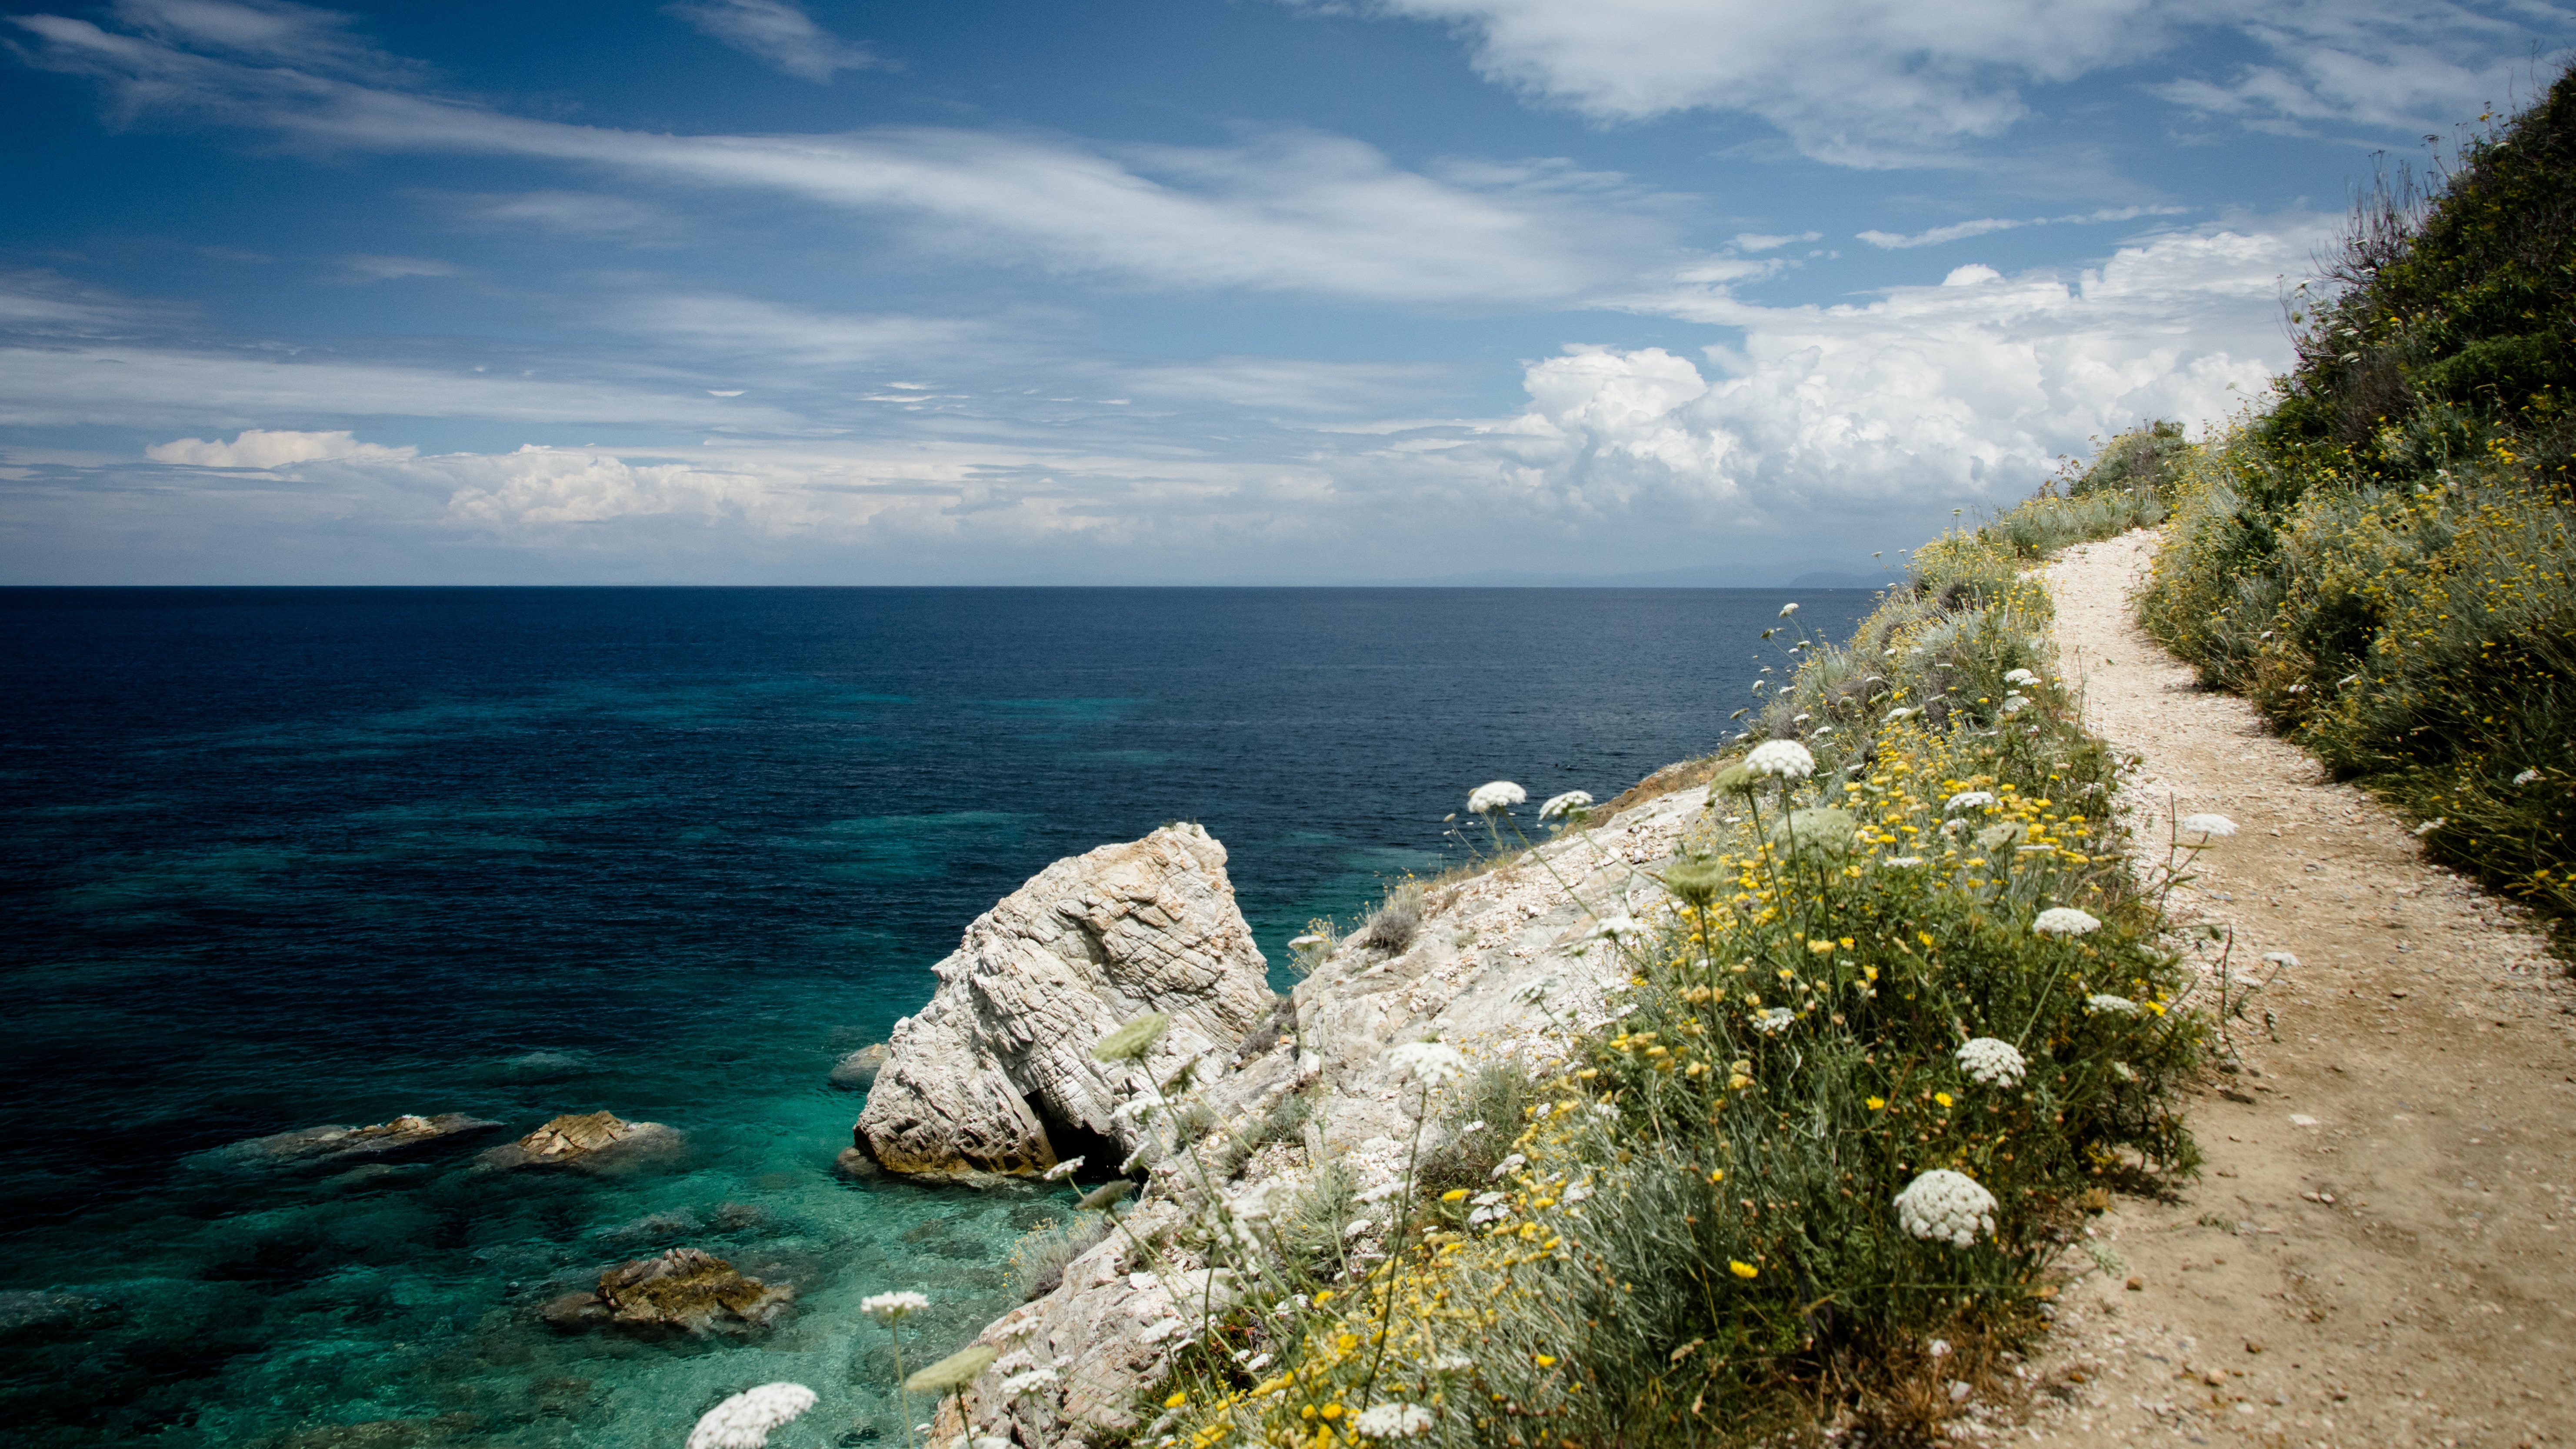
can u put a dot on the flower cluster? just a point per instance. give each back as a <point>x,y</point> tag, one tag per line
<point>1943,1206</point>
<point>744,1421</point>
<point>1995,1063</point>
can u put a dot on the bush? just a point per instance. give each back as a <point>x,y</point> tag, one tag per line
<point>2380,561</point>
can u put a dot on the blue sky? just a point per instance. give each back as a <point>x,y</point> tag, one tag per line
<point>748,291</point>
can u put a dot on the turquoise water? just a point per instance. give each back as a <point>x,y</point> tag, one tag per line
<point>277,858</point>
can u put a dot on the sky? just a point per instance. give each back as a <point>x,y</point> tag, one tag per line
<point>1149,291</point>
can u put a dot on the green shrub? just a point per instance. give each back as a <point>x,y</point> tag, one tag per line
<point>2380,560</point>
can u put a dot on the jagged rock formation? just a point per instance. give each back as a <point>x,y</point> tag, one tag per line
<point>1003,1050</point>
<point>681,1291</point>
<point>594,1141</point>
<point>1503,964</point>
<point>329,1144</point>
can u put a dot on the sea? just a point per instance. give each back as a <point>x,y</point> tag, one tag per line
<point>277,858</point>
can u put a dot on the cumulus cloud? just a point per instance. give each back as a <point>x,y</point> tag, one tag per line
<point>1966,391</point>
<point>1286,211</point>
<point>778,33</point>
<point>263,448</point>
<point>1892,82</point>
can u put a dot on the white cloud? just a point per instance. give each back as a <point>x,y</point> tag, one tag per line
<point>1960,392</point>
<point>805,338</point>
<point>780,33</point>
<point>1754,241</point>
<point>261,448</point>
<point>1286,211</point>
<point>266,32</point>
<point>389,269</point>
<point>569,213</point>
<point>1962,230</point>
<point>1893,82</point>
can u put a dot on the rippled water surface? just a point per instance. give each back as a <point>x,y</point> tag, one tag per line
<point>277,858</point>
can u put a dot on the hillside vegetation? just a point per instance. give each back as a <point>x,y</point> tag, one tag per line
<point>2380,561</point>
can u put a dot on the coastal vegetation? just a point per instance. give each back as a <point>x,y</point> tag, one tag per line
<point>2380,559</point>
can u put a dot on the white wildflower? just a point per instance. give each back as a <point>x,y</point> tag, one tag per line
<point>2021,676</point>
<point>2103,1003</point>
<point>2216,827</point>
<point>1994,1062</point>
<point>1771,1021</point>
<point>1895,715</point>
<point>744,1421</point>
<point>1429,1062</point>
<point>1476,1126</point>
<point>1970,800</point>
<point>1786,759</point>
<point>1787,609</point>
<point>1495,795</point>
<point>1028,1383</point>
<point>892,1306</point>
<point>2429,826</point>
<point>2282,959</point>
<point>1063,1170</point>
<point>2064,921</point>
<point>1300,943</point>
<point>1565,804</point>
<point>1452,1363</point>
<point>1391,1421</point>
<point>1800,719</point>
<point>1357,1227</point>
<point>1942,1206</point>
<point>1507,1164</point>
<point>1905,860</point>
<point>1378,1194</point>
<point>2527,776</point>
<point>1614,927</point>
<point>1257,1362</point>
<point>2015,704</point>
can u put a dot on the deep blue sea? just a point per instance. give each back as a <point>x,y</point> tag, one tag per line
<point>275,858</point>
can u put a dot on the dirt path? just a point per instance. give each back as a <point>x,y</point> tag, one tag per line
<point>2382,1250</point>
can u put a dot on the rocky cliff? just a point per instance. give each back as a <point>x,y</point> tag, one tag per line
<point>1503,964</point>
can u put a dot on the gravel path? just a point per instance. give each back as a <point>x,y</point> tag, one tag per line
<point>2382,1248</point>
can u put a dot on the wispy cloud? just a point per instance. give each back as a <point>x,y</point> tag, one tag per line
<point>1287,211</point>
<point>389,269</point>
<point>1754,241</point>
<point>780,34</point>
<point>1875,83</point>
<point>264,448</point>
<point>1962,230</point>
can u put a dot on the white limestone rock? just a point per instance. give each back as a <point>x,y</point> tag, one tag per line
<point>1089,942</point>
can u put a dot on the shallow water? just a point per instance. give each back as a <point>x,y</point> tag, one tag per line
<point>277,858</point>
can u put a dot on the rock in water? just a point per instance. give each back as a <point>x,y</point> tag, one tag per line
<point>1004,1047</point>
<point>595,1141</point>
<point>857,1070</point>
<point>328,1144</point>
<point>682,1291</point>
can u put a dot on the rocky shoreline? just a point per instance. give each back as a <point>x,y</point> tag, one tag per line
<point>994,1077</point>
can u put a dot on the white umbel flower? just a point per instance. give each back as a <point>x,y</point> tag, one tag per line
<point>744,1421</point>
<point>1784,759</point>
<point>1495,795</point>
<point>2102,1003</point>
<point>1559,806</point>
<point>2016,703</point>
<point>1614,927</point>
<point>1429,1062</point>
<point>1392,1421</point>
<point>1994,1062</point>
<point>1787,609</point>
<point>2064,921</point>
<point>2216,827</point>
<point>1063,1170</point>
<point>1970,800</point>
<point>892,1305</point>
<point>1943,1206</point>
<point>1771,1021</point>
<point>2021,676</point>
<point>2527,776</point>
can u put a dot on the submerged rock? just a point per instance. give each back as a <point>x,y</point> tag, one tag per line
<point>593,1141</point>
<point>394,1138</point>
<point>859,1069</point>
<point>681,1291</point>
<point>973,1081</point>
